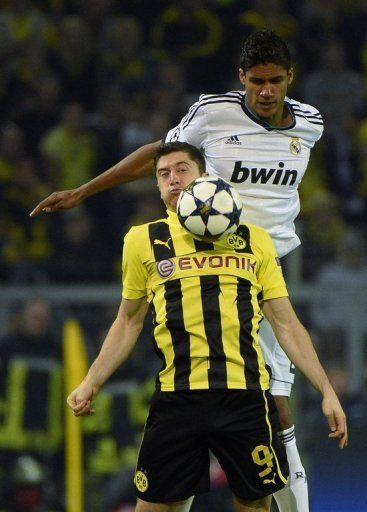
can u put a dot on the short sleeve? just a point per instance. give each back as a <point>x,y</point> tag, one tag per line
<point>192,128</point>
<point>134,272</point>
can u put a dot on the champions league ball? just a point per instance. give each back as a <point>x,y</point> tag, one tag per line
<point>209,208</point>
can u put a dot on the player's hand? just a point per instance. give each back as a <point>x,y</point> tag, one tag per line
<point>336,419</point>
<point>80,400</point>
<point>61,200</point>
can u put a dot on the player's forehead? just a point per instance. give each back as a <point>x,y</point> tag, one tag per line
<point>266,71</point>
<point>175,159</point>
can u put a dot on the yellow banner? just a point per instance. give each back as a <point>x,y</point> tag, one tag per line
<point>75,368</point>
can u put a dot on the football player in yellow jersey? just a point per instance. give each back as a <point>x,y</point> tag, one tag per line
<point>212,392</point>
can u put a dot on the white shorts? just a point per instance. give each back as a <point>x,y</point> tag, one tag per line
<point>282,370</point>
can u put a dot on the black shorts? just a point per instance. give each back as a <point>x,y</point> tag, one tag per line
<point>238,426</point>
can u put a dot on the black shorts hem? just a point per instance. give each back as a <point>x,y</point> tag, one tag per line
<point>259,495</point>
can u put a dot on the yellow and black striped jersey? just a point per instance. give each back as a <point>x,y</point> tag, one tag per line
<point>205,298</point>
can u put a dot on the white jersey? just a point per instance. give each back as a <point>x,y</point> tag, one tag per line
<point>265,164</point>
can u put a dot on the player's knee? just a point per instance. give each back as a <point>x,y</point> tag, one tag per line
<point>284,412</point>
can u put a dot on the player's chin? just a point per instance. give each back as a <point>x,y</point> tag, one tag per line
<point>267,110</point>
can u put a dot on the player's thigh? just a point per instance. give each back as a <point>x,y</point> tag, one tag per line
<point>262,505</point>
<point>179,506</point>
<point>173,460</point>
<point>246,445</point>
<point>282,370</point>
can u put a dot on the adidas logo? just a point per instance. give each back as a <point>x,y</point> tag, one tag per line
<point>233,140</point>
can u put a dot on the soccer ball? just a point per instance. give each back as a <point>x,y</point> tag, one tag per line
<point>209,208</point>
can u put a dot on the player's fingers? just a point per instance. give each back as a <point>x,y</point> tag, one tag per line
<point>54,207</point>
<point>75,404</point>
<point>343,443</point>
<point>45,205</point>
<point>342,436</point>
<point>338,427</point>
<point>84,410</point>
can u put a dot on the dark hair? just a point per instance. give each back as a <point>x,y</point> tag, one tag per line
<point>263,47</point>
<point>171,147</point>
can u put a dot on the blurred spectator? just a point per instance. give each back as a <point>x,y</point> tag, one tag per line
<point>105,121</point>
<point>328,88</point>
<point>24,245</point>
<point>28,488</point>
<point>137,129</point>
<point>333,317</point>
<point>134,131</point>
<point>319,20</point>
<point>27,246</point>
<point>191,32</point>
<point>39,110</point>
<point>12,150</point>
<point>69,149</point>
<point>31,333</point>
<point>31,66</point>
<point>323,21</point>
<point>125,59</point>
<point>24,22</point>
<point>348,269</point>
<point>79,255</point>
<point>170,94</point>
<point>322,229</point>
<point>12,243</point>
<point>73,59</point>
<point>96,13</point>
<point>30,353</point>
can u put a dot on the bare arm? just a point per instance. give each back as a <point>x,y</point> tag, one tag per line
<point>119,342</point>
<point>297,344</point>
<point>136,165</point>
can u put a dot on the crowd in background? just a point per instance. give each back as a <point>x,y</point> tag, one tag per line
<point>86,82</point>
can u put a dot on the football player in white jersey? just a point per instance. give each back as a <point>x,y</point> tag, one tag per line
<point>260,141</point>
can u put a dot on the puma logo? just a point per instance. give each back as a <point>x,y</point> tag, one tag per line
<point>270,480</point>
<point>160,242</point>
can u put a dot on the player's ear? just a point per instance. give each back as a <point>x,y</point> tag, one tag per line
<point>290,76</point>
<point>241,76</point>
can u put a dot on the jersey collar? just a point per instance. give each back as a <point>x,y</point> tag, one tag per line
<point>172,217</point>
<point>252,115</point>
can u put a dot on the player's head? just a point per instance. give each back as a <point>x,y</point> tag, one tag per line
<point>265,71</point>
<point>264,47</point>
<point>176,164</point>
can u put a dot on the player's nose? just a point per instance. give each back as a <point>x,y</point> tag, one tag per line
<point>266,92</point>
<point>174,178</point>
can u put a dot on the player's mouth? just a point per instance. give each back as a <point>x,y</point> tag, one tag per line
<point>267,105</point>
